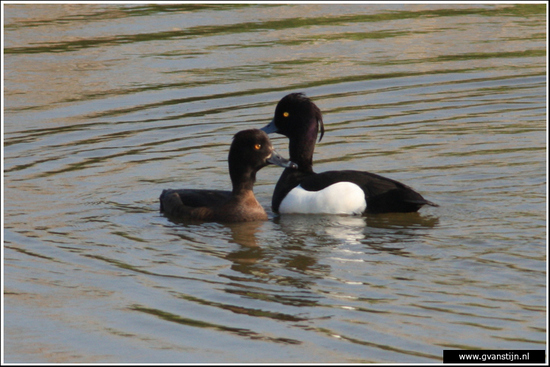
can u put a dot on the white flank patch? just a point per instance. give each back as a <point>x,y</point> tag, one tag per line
<point>339,198</point>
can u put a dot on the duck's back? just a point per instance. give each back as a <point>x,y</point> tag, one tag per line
<point>211,205</point>
<point>381,194</point>
<point>183,202</point>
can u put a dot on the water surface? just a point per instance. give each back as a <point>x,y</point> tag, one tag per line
<point>106,105</point>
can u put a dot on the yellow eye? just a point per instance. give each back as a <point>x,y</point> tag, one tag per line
<point>285,114</point>
<point>258,146</point>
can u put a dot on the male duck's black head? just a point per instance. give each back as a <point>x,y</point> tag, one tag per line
<point>250,151</point>
<point>300,120</point>
<point>295,115</point>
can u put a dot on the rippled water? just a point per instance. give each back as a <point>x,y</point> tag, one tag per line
<point>106,105</point>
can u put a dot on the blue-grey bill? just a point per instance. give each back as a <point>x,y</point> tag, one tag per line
<point>270,128</point>
<point>278,160</point>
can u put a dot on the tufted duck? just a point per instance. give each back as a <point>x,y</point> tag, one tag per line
<point>331,192</point>
<point>250,151</point>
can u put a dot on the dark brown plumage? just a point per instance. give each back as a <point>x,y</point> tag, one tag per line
<point>250,151</point>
